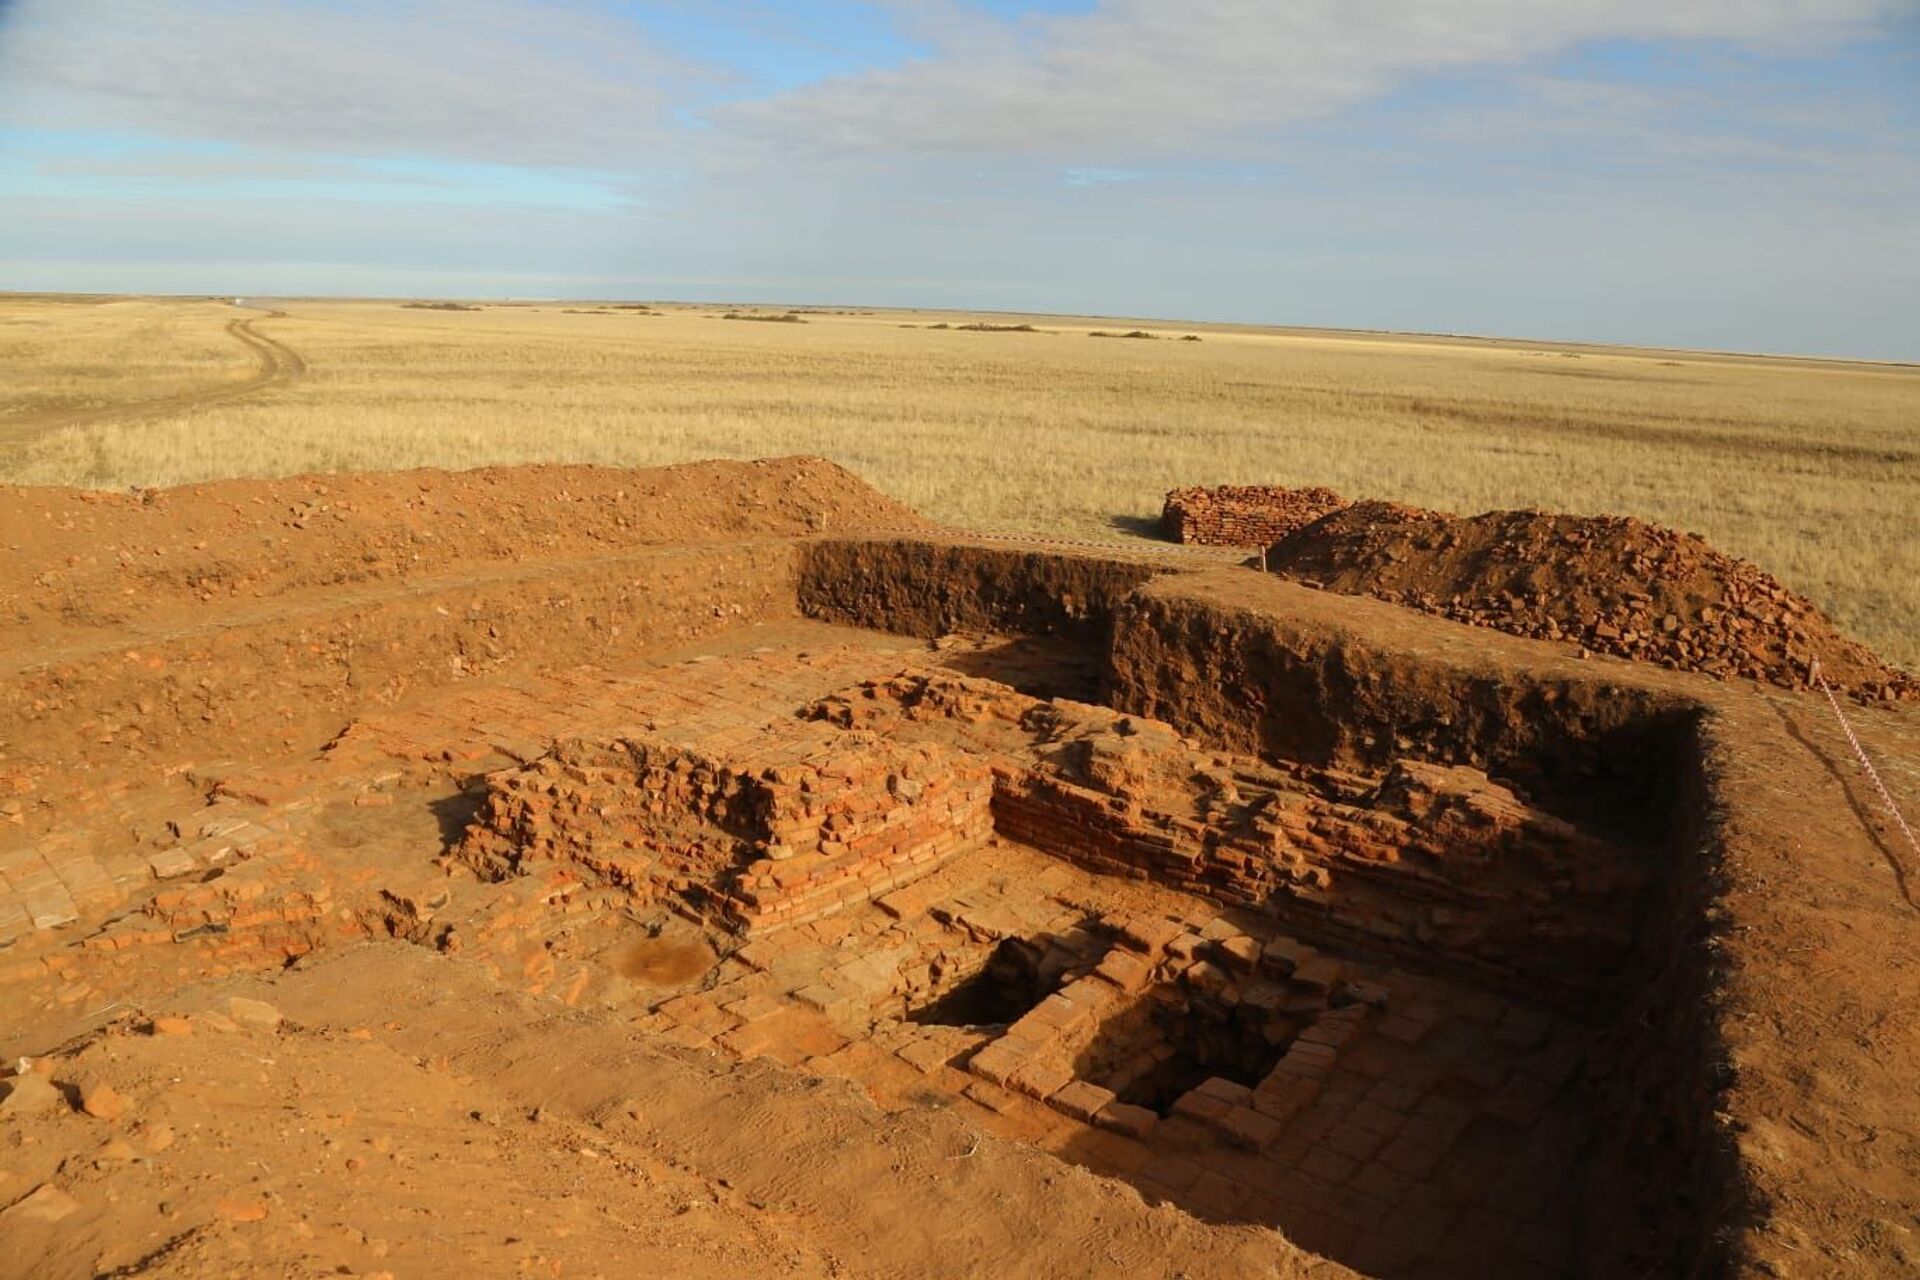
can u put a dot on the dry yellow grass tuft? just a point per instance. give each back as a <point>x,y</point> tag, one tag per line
<point>1810,468</point>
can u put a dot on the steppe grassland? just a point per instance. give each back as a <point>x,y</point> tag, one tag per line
<point>1810,468</point>
<point>71,353</point>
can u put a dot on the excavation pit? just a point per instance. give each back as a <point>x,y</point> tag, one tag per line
<point>1013,979</point>
<point>1173,1041</point>
<point>1263,988</point>
<point>1390,935</point>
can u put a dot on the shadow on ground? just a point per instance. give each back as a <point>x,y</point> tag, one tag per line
<point>1138,526</point>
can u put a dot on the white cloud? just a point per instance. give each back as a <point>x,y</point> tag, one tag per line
<point>489,80</point>
<point>244,165</point>
<point>1146,77</point>
<point>568,82</point>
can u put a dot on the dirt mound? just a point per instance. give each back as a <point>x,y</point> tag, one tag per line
<point>1611,584</point>
<point>1242,515</point>
<point>78,558</point>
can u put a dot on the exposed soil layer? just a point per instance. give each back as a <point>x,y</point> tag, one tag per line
<point>1611,584</point>
<point>719,909</point>
<point>210,622</point>
<point>929,589</point>
<point>1283,683</point>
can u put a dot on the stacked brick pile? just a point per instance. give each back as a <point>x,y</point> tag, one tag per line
<point>223,894</point>
<point>1242,515</point>
<point>1609,584</point>
<point>272,905</point>
<point>263,912</point>
<point>640,816</point>
<point>795,823</point>
<point>846,825</point>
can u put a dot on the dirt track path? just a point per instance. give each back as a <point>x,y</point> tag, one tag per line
<point>278,363</point>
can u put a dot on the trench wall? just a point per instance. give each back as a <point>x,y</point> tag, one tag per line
<point>1665,1065</point>
<point>929,589</point>
<point>1264,681</point>
<point>1214,655</point>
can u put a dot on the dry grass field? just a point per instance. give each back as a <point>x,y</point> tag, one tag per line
<point>59,354</point>
<point>1810,468</point>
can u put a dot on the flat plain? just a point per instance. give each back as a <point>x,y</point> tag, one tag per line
<point>1811,468</point>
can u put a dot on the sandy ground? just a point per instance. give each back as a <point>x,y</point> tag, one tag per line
<point>404,1115</point>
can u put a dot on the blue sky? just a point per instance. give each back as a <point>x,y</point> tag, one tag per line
<point>1736,174</point>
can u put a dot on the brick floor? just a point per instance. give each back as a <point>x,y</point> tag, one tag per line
<point>1403,1165</point>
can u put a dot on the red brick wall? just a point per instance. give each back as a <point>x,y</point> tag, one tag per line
<point>787,831</point>
<point>1452,870</point>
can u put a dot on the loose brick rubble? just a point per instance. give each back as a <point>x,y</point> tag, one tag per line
<point>1242,515</point>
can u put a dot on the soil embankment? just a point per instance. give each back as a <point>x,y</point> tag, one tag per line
<point>1610,584</point>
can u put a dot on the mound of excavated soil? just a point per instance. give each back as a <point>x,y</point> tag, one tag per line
<point>77,557</point>
<point>1611,584</point>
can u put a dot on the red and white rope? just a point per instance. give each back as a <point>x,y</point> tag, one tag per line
<point>1860,753</point>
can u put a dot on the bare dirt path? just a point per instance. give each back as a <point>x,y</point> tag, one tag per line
<point>277,363</point>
